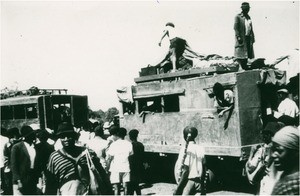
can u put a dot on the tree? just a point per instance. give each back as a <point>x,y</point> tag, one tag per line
<point>110,114</point>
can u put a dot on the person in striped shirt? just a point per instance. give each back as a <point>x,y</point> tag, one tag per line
<point>67,170</point>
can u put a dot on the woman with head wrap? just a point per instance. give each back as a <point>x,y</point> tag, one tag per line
<point>286,158</point>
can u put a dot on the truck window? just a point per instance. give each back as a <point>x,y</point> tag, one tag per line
<point>6,112</point>
<point>128,108</point>
<point>152,104</point>
<point>171,103</point>
<point>31,111</point>
<point>19,112</point>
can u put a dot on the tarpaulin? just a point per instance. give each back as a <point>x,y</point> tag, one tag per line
<point>125,94</point>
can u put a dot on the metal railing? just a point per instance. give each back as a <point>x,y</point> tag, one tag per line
<point>5,93</point>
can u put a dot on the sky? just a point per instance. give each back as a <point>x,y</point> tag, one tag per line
<point>94,47</point>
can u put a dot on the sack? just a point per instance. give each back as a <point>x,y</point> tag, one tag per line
<point>95,178</point>
<point>73,187</point>
<point>255,176</point>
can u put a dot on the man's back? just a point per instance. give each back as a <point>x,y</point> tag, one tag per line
<point>288,107</point>
<point>195,155</point>
<point>120,150</point>
<point>136,160</point>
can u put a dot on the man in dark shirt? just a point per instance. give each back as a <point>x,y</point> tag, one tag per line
<point>136,162</point>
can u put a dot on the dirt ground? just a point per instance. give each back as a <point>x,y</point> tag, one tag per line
<point>168,188</point>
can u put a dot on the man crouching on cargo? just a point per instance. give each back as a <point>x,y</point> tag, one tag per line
<point>190,166</point>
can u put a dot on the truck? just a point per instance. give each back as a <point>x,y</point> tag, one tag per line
<point>46,108</point>
<point>185,98</point>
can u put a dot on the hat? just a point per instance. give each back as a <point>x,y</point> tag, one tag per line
<point>192,131</point>
<point>170,24</point>
<point>287,137</point>
<point>42,134</point>
<point>65,127</point>
<point>283,90</point>
<point>12,132</point>
<point>245,4</point>
<point>107,125</point>
<point>272,127</point>
<point>35,126</point>
<point>26,131</point>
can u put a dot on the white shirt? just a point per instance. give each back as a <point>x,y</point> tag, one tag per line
<point>194,157</point>
<point>3,141</point>
<point>58,144</point>
<point>248,26</point>
<point>288,107</point>
<point>31,152</point>
<point>99,145</point>
<point>84,137</point>
<point>120,150</point>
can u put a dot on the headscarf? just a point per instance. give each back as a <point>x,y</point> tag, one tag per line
<point>287,137</point>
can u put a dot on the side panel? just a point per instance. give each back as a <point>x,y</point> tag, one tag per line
<point>249,107</point>
<point>162,132</point>
<point>7,124</point>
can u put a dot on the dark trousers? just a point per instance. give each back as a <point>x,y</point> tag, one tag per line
<point>7,180</point>
<point>29,183</point>
<point>249,47</point>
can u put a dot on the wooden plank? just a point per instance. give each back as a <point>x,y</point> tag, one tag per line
<point>19,100</point>
<point>191,72</point>
<point>159,93</point>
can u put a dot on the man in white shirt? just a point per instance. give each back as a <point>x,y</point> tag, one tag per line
<point>287,111</point>
<point>118,161</point>
<point>99,145</point>
<point>190,165</point>
<point>287,106</point>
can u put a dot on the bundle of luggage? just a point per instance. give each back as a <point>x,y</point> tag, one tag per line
<point>222,64</point>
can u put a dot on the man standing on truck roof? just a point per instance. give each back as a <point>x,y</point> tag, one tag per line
<point>244,36</point>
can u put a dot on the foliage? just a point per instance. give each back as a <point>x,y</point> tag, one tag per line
<point>102,116</point>
<point>110,114</point>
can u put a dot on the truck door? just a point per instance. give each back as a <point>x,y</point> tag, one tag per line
<point>79,110</point>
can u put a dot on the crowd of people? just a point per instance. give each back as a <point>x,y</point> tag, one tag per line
<point>34,163</point>
<point>70,162</point>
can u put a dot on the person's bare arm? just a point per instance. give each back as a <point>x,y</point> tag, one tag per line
<point>225,109</point>
<point>163,36</point>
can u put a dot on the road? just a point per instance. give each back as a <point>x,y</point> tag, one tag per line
<point>168,188</point>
